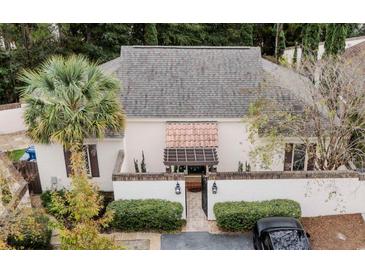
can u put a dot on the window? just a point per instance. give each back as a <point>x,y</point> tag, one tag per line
<point>298,157</point>
<point>91,160</point>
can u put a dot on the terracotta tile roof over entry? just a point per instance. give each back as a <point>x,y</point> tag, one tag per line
<point>191,134</point>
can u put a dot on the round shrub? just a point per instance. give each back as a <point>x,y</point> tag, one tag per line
<point>54,202</point>
<point>241,216</point>
<point>29,230</point>
<point>145,215</point>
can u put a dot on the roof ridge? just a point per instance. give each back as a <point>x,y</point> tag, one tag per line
<point>189,47</point>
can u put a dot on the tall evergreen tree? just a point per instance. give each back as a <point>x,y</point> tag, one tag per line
<point>335,39</point>
<point>279,41</point>
<point>247,34</point>
<point>150,34</point>
<point>295,55</point>
<point>181,34</point>
<point>310,42</point>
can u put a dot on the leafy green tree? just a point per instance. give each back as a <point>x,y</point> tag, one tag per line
<point>247,34</point>
<point>295,55</point>
<point>310,41</point>
<point>264,37</point>
<point>150,34</point>
<point>68,100</point>
<point>24,46</point>
<point>335,39</point>
<point>331,116</point>
<point>99,42</point>
<point>181,34</point>
<point>279,41</point>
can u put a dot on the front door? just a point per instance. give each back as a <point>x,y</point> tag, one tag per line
<point>193,178</point>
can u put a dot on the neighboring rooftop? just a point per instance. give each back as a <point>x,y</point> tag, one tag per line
<point>194,82</point>
<point>358,49</point>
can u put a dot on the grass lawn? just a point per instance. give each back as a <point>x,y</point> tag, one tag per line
<point>15,155</point>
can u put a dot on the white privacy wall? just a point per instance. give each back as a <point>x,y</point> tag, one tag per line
<point>150,190</point>
<point>51,163</point>
<point>146,136</point>
<point>317,197</point>
<point>289,52</point>
<point>11,120</point>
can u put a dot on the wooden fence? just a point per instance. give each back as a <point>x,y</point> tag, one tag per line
<point>29,171</point>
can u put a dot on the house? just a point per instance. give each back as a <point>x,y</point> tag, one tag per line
<point>184,108</point>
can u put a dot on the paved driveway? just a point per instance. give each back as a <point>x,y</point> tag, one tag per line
<point>205,240</point>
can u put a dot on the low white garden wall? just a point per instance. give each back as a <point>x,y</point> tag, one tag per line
<point>150,190</point>
<point>11,120</point>
<point>316,196</point>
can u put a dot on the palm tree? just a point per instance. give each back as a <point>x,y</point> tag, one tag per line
<point>69,100</point>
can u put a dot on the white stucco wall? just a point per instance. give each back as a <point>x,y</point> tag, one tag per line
<point>289,52</point>
<point>150,190</point>
<point>148,136</point>
<point>234,146</point>
<point>11,120</point>
<point>317,197</point>
<point>51,163</point>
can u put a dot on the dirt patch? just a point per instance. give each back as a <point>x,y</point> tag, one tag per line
<point>336,232</point>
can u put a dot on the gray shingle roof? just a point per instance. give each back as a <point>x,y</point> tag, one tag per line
<point>192,82</point>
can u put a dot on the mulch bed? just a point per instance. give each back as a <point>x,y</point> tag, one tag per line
<point>336,232</point>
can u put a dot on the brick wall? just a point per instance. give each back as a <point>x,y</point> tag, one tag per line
<point>241,175</point>
<point>283,175</point>
<point>10,106</point>
<point>148,177</point>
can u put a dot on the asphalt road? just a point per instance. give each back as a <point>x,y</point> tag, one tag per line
<point>206,241</point>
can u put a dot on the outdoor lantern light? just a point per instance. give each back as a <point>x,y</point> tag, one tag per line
<point>177,188</point>
<point>214,188</point>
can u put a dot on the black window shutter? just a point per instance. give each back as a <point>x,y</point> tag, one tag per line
<point>94,165</point>
<point>288,157</point>
<point>312,149</point>
<point>67,155</point>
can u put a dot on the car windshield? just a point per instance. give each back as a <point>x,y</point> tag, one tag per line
<point>288,240</point>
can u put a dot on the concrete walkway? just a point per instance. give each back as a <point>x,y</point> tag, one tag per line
<point>195,219</point>
<point>127,240</point>
<point>206,241</point>
<point>137,240</point>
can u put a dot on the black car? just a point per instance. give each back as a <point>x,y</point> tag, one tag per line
<point>276,233</point>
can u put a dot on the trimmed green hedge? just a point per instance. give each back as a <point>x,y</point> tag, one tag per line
<point>241,216</point>
<point>144,215</point>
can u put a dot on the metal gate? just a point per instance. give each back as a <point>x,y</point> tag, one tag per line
<point>205,194</point>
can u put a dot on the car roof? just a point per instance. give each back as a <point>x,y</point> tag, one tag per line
<point>277,222</point>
